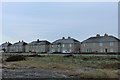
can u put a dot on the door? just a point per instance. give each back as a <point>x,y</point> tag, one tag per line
<point>106,50</point>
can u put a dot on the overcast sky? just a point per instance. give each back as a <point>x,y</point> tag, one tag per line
<point>29,21</point>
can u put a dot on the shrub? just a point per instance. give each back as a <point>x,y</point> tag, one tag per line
<point>110,65</point>
<point>70,55</point>
<point>15,58</point>
<point>34,55</point>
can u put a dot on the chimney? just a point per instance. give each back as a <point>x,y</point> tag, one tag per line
<point>69,37</point>
<point>38,40</point>
<point>22,41</point>
<point>105,34</point>
<point>63,37</point>
<point>98,35</point>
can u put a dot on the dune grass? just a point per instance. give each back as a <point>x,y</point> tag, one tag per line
<point>82,65</point>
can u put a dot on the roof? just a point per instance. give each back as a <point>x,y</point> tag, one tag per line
<point>102,39</point>
<point>44,42</point>
<point>64,41</point>
<point>6,44</point>
<point>19,43</point>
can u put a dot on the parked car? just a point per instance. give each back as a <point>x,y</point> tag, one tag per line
<point>33,51</point>
<point>1,51</point>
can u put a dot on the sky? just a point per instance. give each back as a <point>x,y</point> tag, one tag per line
<point>50,21</point>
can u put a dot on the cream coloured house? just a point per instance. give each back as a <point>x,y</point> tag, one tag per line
<point>66,45</point>
<point>106,43</point>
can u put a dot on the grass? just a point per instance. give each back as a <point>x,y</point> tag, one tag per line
<point>93,73</point>
<point>85,66</point>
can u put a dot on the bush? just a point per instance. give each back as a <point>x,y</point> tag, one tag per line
<point>70,55</point>
<point>34,55</point>
<point>115,65</point>
<point>15,58</point>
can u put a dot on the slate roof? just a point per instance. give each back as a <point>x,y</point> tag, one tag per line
<point>39,43</point>
<point>64,41</point>
<point>101,39</point>
<point>19,43</point>
<point>6,44</point>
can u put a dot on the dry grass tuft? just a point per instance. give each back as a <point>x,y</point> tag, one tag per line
<point>93,73</point>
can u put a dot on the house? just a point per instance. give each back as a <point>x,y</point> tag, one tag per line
<point>106,43</point>
<point>65,45</point>
<point>5,46</point>
<point>18,47</point>
<point>38,46</point>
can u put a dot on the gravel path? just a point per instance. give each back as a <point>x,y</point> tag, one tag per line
<point>31,73</point>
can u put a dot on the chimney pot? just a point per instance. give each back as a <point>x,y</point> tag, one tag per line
<point>38,40</point>
<point>98,35</point>
<point>105,34</point>
<point>69,37</point>
<point>63,37</point>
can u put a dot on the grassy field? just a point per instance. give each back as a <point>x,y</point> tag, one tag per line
<point>82,65</point>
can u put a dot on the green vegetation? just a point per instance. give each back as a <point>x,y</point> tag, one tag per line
<point>82,65</point>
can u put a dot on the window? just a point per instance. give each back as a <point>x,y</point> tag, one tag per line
<point>111,50</point>
<point>84,44</point>
<point>101,44</point>
<point>52,45</point>
<point>89,50</point>
<point>58,50</point>
<point>111,43</point>
<point>63,45</point>
<point>101,50</point>
<point>20,46</point>
<point>93,50</point>
<point>58,45</point>
<point>70,50</point>
<point>94,44</point>
<point>84,50</point>
<point>53,50</point>
<point>70,45</point>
